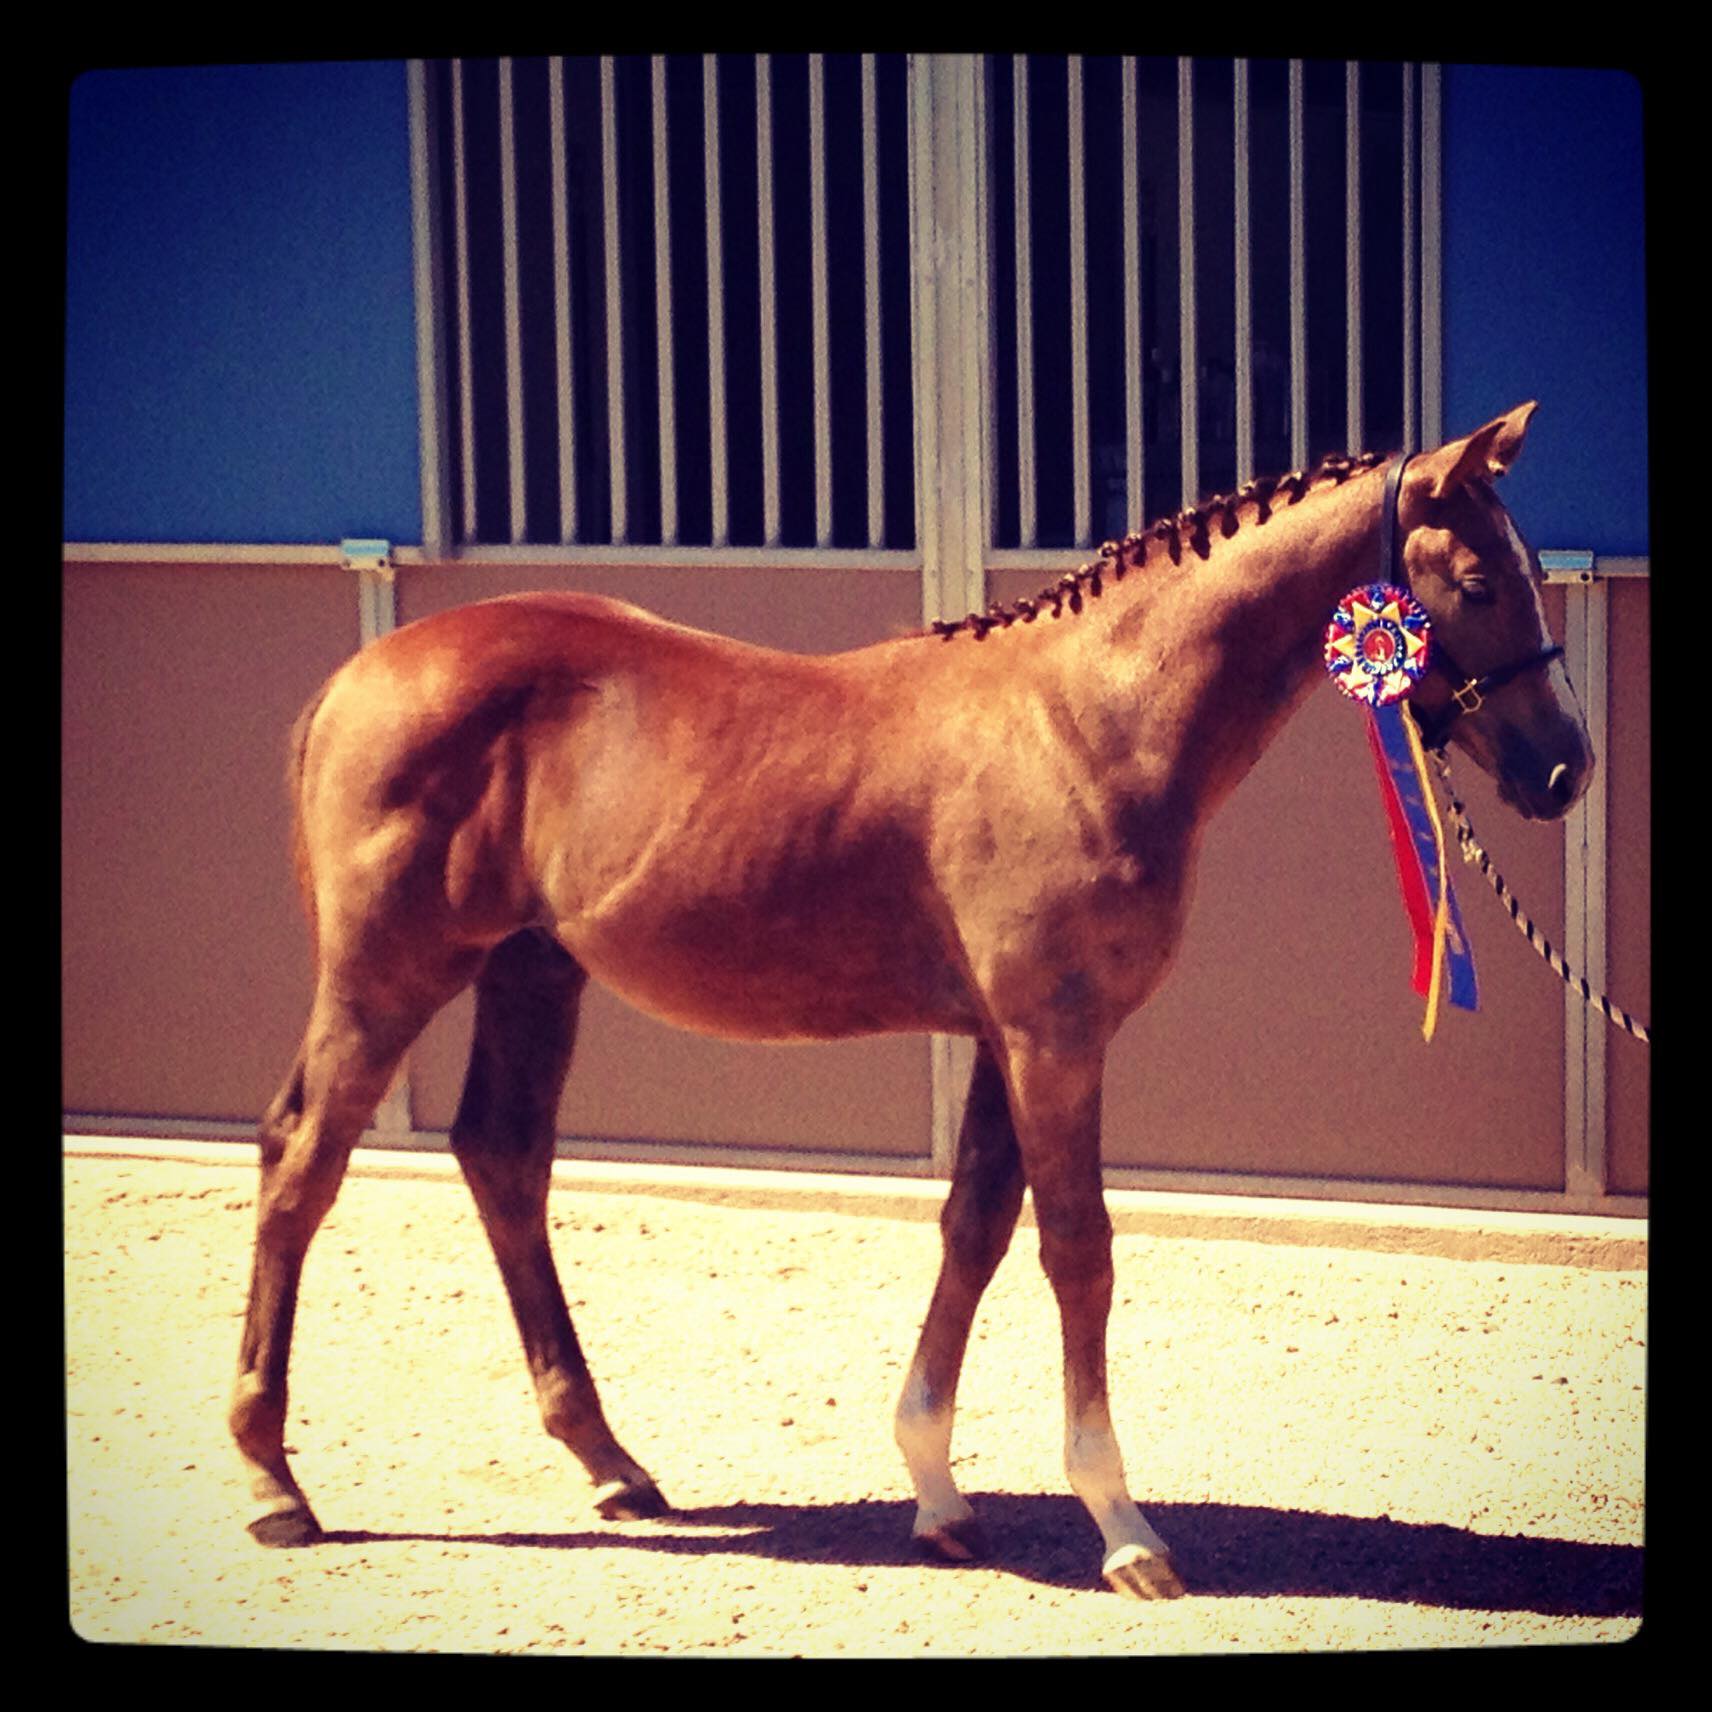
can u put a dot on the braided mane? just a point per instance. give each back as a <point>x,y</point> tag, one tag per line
<point>1190,528</point>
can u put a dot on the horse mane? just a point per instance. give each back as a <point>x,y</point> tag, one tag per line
<point>1189,529</point>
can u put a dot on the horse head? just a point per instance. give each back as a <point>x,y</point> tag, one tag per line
<point>1499,690</point>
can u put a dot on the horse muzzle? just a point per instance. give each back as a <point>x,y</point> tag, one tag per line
<point>1543,781</point>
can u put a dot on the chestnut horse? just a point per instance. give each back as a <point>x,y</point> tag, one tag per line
<point>985,830</point>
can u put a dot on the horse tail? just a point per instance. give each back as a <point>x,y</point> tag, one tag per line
<point>297,748</point>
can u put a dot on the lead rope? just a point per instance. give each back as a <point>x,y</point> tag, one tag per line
<point>1472,852</point>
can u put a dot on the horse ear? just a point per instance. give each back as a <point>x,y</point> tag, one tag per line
<point>1488,451</point>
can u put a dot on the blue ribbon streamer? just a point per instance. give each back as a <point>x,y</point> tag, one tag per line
<point>1462,988</point>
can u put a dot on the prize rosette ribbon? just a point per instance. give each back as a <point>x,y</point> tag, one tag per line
<point>1377,648</point>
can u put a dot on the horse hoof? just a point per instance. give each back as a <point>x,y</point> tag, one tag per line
<point>292,1524</point>
<point>962,1541</point>
<point>630,1501</point>
<point>1139,1573</point>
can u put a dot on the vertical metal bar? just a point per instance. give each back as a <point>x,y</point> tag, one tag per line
<point>391,1123</point>
<point>1595,824</point>
<point>614,302</point>
<point>924,419</point>
<point>377,612</point>
<point>772,526</point>
<point>1298,272</point>
<point>1135,358</point>
<point>1355,432</point>
<point>461,268</point>
<point>564,356</point>
<point>514,442</point>
<point>981,345</point>
<point>1242,243</point>
<point>1027,508</point>
<point>1082,487</point>
<point>1586,641</point>
<point>718,433</point>
<point>426,264</point>
<point>1432,300</point>
<point>818,289</point>
<point>663,310</point>
<point>871,302</point>
<point>1411,271</point>
<point>1188,349</point>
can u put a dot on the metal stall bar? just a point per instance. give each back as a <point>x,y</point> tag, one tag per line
<point>1355,430</point>
<point>1188,352</point>
<point>426,262</point>
<point>514,442</point>
<point>1135,358</point>
<point>461,270</point>
<point>564,358</point>
<point>871,302</point>
<point>1298,271</point>
<point>614,302</point>
<point>718,434</point>
<point>1432,227</point>
<point>1242,246</point>
<point>1081,483</point>
<point>1410,264</point>
<point>818,288</point>
<point>1028,527</point>
<point>772,519</point>
<point>663,310</point>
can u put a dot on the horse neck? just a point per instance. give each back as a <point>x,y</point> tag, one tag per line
<point>1192,666</point>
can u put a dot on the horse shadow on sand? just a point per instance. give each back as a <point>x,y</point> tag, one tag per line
<point>1226,1551</point>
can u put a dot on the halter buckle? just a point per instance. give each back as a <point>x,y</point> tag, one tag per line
<point>1469,699</point>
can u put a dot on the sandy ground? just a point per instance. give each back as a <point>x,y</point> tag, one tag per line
<point>1346,1450</point>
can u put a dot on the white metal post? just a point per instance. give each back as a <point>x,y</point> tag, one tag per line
<point>953,365</point>
<point>1585,644</point>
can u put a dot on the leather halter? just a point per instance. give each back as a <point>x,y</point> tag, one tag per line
<point>1472,690</point>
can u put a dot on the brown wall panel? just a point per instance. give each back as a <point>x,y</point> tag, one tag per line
<point>184,958</point>
<point>1285,1043</point>
<point>1628,859</point>
<point>635,1079</point>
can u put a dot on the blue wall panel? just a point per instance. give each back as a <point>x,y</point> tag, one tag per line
<point>240,356</point>
<point>1545,290</point>
<point>240,334</point>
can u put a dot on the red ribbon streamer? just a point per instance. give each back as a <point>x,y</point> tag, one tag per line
<point>1417,900</point>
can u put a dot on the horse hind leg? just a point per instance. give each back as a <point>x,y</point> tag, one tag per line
<point>976,1225</point>
<point>527,998</point>
<point>349,1055</point>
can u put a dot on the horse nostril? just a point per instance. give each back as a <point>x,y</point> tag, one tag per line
<point>1561,784</point>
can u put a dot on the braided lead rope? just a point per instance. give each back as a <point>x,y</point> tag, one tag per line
<point>1472,852</point>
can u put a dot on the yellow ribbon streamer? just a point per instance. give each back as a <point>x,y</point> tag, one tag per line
<point>1441,918</point>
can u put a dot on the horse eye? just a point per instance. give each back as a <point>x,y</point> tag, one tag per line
<point>1477,591</point>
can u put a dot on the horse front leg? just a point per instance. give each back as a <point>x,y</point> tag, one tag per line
<point>1055,1100</point>
<point>976,1223</point>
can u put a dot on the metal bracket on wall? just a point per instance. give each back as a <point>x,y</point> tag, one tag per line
<point>372,561</point>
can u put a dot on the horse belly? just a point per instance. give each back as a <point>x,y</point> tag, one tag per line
<point>779,975</point>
